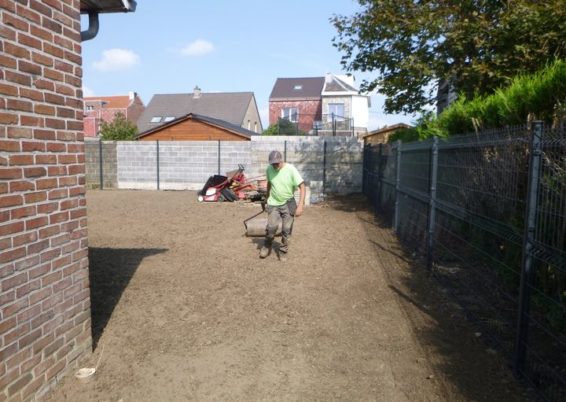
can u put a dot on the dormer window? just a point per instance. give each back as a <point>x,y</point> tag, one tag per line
<point>298,87</point>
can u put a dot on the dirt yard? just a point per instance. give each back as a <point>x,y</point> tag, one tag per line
<point>183,310</point>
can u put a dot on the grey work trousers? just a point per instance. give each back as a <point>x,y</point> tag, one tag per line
<point>274,216</point>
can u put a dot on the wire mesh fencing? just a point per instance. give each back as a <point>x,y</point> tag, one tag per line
<point>486,213</point>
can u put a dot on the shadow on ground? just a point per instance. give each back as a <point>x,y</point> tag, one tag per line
<point>454,348</point>
<point>110,272</point>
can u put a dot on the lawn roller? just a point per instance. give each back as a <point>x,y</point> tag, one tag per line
<point>256,226</point>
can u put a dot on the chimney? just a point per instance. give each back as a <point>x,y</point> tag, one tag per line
<point>328,78</point>
<point>131,95</point>
<point>196,92</point>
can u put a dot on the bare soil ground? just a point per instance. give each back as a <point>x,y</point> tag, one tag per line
<point>183,310</point>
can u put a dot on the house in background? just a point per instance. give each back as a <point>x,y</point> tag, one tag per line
<point>105,108</point>
<point>194,127</point>
<point>345,112</point>
<point>381,135</point>
<point>324,106</point>
<point>232,108</point>
<point>297,100</point>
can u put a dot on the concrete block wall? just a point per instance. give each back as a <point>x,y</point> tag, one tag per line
<point>44,283</point>
<point>109,164</point>
<point>137,165</point>
<point>186,165</point>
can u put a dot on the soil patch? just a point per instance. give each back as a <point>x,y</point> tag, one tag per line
<point>184,310</point>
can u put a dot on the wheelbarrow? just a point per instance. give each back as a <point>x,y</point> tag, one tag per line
<point>256,225</point>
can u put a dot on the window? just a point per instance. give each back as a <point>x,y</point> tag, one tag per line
<point>255,127</point>
<point>156,119</point>
<point>336,111</point>
<point>169,118</point>
<point>290,113</point>
<point>249,125</point>
<point>298,87</point>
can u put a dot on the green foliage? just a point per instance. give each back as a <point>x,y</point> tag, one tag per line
<point>541,95</point>
<point>283,127</point>
<point>119,129</point>
<point>477,46</point>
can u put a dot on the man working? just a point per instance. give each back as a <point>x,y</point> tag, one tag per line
<point>283,179</point>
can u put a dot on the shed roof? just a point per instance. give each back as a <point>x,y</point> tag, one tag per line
<point>297,88</point>
<point>387,129</point>
<point>236,129</point>
<point>229,107</point>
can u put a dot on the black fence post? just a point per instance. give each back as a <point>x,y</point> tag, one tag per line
<point>432,203</point>
<point>324,168</point>
<point>218,157</point>
<point>364,169</point>
<point>157,163</point>
<point>527,271</point>
<point>285,151</point>
<point>397,186</point>
<point>379,174</point>
<point>101,164</point>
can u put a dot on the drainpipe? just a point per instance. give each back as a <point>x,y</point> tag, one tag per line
<point>93,26</point>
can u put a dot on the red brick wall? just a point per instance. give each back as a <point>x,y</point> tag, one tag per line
<point>309,111</point>
<point>44,287</point>
<point>94,117</point>
<point>135,110</point>
<point>90,124</point>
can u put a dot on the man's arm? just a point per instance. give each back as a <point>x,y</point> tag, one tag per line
<point>302,192</point>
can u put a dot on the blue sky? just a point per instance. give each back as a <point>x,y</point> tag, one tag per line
<point>170,46</point>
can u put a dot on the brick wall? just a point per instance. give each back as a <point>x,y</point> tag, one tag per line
<point>44,287</point>
<point>90,124</point>
<point>309,111</point>
<point>93,118</point>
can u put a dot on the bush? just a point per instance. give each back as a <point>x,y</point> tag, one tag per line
<point>541,95</point>
<point>283,127</point>
<point>119,129</point>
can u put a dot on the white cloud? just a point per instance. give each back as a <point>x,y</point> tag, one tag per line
<point>197,48</point>
<point>116,60</point>
<point>87,91</point>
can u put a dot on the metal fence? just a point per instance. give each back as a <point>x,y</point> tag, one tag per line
<point>325,125</point>
<point>486,214</point>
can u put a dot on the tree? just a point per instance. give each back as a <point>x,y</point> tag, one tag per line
<point>283,127</point>
<point>119,129</point>
<point>475,45</point>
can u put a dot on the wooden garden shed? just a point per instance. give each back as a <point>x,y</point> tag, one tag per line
<point>194,127</point>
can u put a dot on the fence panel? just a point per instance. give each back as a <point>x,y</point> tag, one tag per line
<point>479,212</point>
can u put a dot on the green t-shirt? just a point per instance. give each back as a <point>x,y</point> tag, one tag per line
<point>283,183</point>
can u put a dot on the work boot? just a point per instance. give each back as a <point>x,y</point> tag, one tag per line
<point>265,250</point>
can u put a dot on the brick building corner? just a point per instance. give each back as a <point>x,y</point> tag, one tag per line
<point>45,326</point>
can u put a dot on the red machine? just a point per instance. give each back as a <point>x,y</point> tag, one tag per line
<point>232,187</point>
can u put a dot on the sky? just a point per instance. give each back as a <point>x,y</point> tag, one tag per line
<point>171,46</point>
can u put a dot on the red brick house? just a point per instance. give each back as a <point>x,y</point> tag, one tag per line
<point>45,318</point>
<point>298,100</point>
<point>105,108</point>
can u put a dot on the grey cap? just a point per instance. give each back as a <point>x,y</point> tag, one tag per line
<point>275,157</point>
